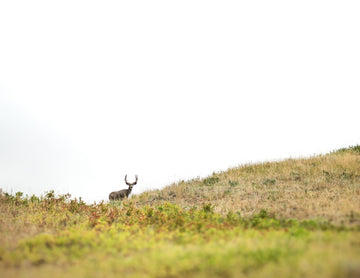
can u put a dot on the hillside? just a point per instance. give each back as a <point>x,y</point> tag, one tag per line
<point>324,186</point>
<point>293,218</point>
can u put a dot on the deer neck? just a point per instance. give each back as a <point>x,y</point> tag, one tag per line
<point>128,191</point>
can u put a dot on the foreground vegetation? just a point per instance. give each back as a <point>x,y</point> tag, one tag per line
<point>164,234</point>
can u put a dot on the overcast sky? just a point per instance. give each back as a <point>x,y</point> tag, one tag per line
<point>170,90</point>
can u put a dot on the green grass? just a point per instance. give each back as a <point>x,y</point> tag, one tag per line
<point>159,234</point>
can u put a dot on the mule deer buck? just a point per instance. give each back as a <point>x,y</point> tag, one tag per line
<point>119,195</point>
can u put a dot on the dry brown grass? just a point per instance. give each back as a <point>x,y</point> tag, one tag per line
<point>326,186</point>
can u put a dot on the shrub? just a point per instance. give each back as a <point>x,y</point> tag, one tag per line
<point>211,181</point>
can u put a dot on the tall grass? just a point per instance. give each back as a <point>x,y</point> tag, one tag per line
<point>325,186</point>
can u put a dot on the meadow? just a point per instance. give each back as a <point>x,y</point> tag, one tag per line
<point>291,218</point>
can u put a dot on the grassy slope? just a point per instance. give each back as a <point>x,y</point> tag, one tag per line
<point>326,187</point>
<point>162,234</point>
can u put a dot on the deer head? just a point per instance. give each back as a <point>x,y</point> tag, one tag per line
<point>119,195</point>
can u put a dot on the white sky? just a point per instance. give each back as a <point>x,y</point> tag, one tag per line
<point>170,90</point>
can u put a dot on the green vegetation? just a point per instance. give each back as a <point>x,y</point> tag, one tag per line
<point>165,234</point>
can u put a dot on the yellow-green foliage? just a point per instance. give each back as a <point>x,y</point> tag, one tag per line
<point>61,237</point>
<point>105,239</point>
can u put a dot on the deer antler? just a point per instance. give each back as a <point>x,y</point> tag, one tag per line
<point>136,177</point>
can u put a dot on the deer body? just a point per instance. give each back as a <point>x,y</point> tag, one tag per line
<point>119,195</point>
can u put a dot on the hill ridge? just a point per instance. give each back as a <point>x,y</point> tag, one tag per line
<point>323,186</point>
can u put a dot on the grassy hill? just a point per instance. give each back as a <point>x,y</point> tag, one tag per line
<point>325,186</point>
<point>294,218</point>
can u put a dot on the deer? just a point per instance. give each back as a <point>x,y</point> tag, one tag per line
<point>119,195</point>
